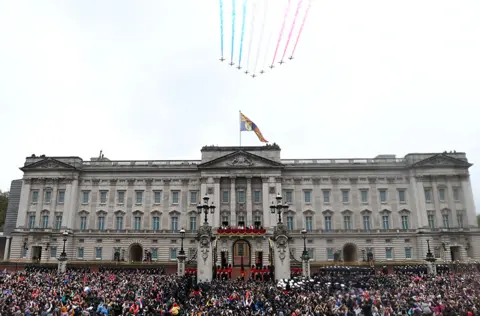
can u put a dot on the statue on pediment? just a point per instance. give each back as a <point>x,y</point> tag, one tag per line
<point>241,161</point>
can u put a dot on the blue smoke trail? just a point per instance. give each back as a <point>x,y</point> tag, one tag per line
<point>244,17</point>
<point>233,31</point>
<point>221,27</point>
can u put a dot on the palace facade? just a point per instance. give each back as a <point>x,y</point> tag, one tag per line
<point>351,208</point>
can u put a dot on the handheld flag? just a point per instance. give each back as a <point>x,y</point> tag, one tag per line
<point>246,125</point>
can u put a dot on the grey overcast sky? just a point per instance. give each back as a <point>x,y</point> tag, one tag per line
<point>141,80</point>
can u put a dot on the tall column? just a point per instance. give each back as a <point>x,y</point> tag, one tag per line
<point>204,254</point>
<point>266,202</point>
<point>23,205</point>
<point>71,205</point>
<point>468,202</point>
<point>420,203</point>
<point>249,202</point>
<point>306,267</point>
<point>7,248</point>
<point>281,252</point>
<point>216,200</point>
<point>181,264</point>
<point>233,206</point>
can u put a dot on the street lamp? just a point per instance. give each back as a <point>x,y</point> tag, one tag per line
<point>205,207</point>
<point>279,207</point>
<point>305,252</point>
<point>430,257</point>
<point>64,254</point>
<point>182,236</point>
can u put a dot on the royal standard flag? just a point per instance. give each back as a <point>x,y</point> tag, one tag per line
<point>246,125</point>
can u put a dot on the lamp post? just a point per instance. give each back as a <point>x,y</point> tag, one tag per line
<point>205,208</point>
<point>305,255</point>
<point>181,256</point>
<point>279,207</point>
<point>430,258</point>
<point>62,260</point>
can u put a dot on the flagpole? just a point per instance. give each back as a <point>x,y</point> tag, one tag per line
<point>240,129</point>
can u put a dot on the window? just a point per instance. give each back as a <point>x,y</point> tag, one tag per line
<point>85,197</point>
<point>428,195</point>
<point>53,252</point>
<point>174,224</point>
<point>119,223</point>
<point>48,196</point>
<point>45,221</point>
<point>345,196</point>
<point>155,253</point>
<point>404,221</point>
<point>103,197</point>
<point>101,223</point>
<point>225,219</point>
<point>138,222</point>
<point>193,224</point>
<point>83,223</point>
<point>431,221</point>
<point>308,196</point>
<point>257,196</point>
<point>80,252</point>
<point>24,252</point>
<point>156,223</point>
<point>441,194</point>
<point>31,221</point>
<point>193,197</point>
<point>138,197</point>
<point>225,197</point>
<point>98,253</point>
<point>289,196</point>
<point>460,220</point>
<point>446,222</point>
<point>290,222</point>
<point>58,221</point>
<point>241,220</point>
<point>383,196</point>
<point>35,196</point>
<point>309,223</point>
<point>121,197</point>
<point>436,252</point>
<point>366,223</point>
<point>328,223</point>
<point>241,196</point>
<point>157,197</point>
<point>347,222</point>
<point>257,218</point>
<point>456,194</point>
<point>330,253</point>
<point>175,197</point>
<point>408,253</point>
<point>326,196</point>
<point>401,196</point>
<point>386,222</point>
<point>364,196</point>
<point>61,197</point>
<point>389,253</point>
<point>173,253</point>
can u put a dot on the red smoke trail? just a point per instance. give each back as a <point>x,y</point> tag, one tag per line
<point>301,28</point>
<point>292,28</point>
<point>281,32</point>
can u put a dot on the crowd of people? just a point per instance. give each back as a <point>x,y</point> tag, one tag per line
<point>333,291</point>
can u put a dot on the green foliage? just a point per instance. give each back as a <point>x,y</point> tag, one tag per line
<point>3,208</point>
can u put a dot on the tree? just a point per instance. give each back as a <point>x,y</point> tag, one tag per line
<point>3,208</point>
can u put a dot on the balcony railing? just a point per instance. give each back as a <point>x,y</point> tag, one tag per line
<point>241,231</point>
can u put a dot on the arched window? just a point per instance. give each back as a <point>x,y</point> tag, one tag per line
<point>328,218</point>
<point>137,220</point>
<point>446,217</point>
<point>404,219</point>
<point>45,218</point>
<point>156,220</point>
<point>347,219</point>
<point>119,215</point>
<point>366,220</point>
<point>174,221</point>
<point>309,217</point>
<point>83,220</point>
<point>101,220</point>
<point>385,219</point>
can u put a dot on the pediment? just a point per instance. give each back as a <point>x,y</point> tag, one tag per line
<point>441,160</point>
<point>48,163</point>
<point>241,160</point>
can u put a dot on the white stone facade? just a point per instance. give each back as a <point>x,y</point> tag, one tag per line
<point>384,205</point>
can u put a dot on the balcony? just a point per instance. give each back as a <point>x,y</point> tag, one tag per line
<point>241,231</point>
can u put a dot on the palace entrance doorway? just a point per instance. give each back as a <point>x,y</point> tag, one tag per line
<point>136,253</point>
<point>241,253</point>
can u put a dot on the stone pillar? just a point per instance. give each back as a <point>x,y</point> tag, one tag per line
<point>233,206</point>
<point>70,206</point>
<point>7,248</point>
<point>281,252</point>
<point>249,201</point>
<point>468,201</point>
<point>181,264</point>
<point>204,254</point>
<point>62,265</point>
<point>217,201</point>
<point>431,268</point>
<point>265,202</point>
<point>23,205</point>
<point>421,205</point>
